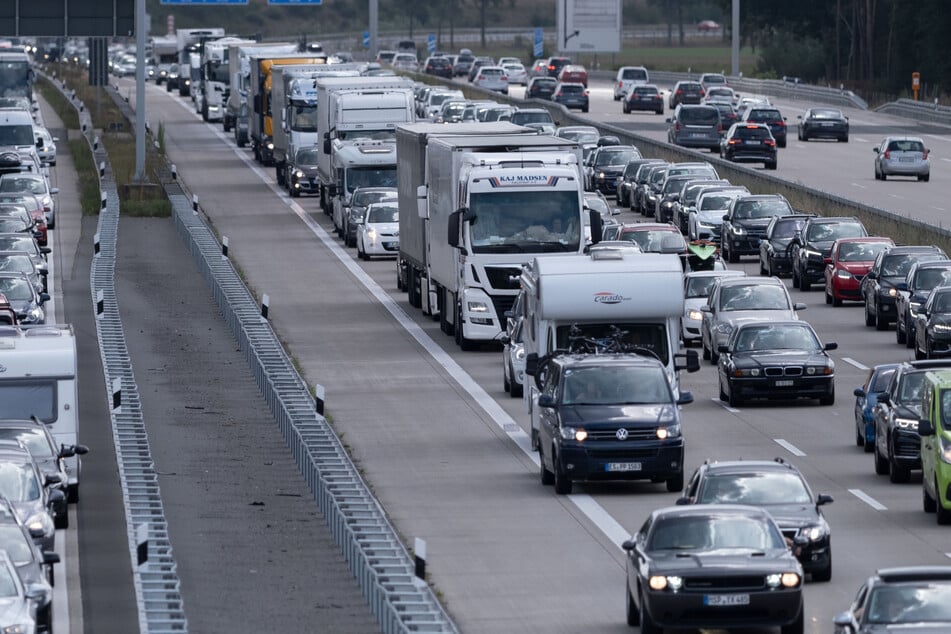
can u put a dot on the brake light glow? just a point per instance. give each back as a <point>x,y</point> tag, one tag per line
<point>888,154</point>
<point>781,124</point>
<point>769,142</point>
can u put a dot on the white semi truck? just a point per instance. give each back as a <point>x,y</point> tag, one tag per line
<point>477,202</point>
<point>294,109</point>
<point>39,379</point>
<point>349,108</point>
<point>216,75</point>
<point>640,294</point>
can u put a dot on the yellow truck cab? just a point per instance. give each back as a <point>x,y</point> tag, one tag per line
<point>935,431</point>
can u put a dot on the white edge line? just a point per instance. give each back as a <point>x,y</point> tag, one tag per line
<point>788,446</point>
<point>855,363</point>
<point>585,503</point>
<point>732,410</point>
<point>865,497</point>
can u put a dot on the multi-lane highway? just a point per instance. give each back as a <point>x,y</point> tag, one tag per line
<point>445,450</point>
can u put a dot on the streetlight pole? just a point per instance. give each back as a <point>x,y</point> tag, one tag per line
<point>735,49</point>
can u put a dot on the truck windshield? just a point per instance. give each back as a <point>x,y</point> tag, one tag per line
<point>372,135</point>
<point>217,71</point>
<point>524,222</point>
<point>379,176</point>
<point>304,118</point>
<point>22,399</point>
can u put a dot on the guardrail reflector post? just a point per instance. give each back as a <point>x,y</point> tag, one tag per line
<point>195,203</point>
<point>224,246</point>
<point>100,303</point>
<point>117,394</point>
<point>319,398</point>
<point>265,305</point>
<point>419,553</point>
<point>142,544</point>
<point>95,243</point>
<point>103,197</point>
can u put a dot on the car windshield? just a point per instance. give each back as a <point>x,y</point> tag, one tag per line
<point>755,489</point>
<point>307,157</point>
<point>754,297</point>
<point>16,288</point>
<point>766,338</point>
<point>8,586</point>
<point>717,201</point>
<point>655,241</point>
<point>524,222</point>
<point>615,157</point>
<point>828,231</point>
<point>17,243</point>
<point>699,286</point>
<point>531,117</point>
<point>909,392</point>
<point>746,209</point>
<point>20,184</point>
<point>18,482</point>
<point>17,263</point>
<point>616,385</point>
<point>899,265</point>
<point>17,545</point>
<point>920,602</point>
<point>700,116</point>
<point>364,198</point>
<point>34,439</point>
<point>861,251</point>
<point>676,183</point>
<point>650,337</point>
<point>714,532</point>
<point>941,303</point>
<point>929,279</point>
<point>383,214</point>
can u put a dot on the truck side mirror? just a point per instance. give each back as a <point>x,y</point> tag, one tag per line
<point>531,363</point>
<point>546,400</point>
<point>257,104</point>
<point>331,190</point>
<point>454,221</point>
<point>326,143</point>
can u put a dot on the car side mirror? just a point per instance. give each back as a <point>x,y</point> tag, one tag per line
<point>875,149</point>
<point>546,400</point>
<point>629,544</point>
<point>844,621</point>
<point>885,398</point>
<point>799,117</point>
<point>859,392</point>
<point>831,346</point>
<point>682,501</point>
<point>50,558</point>
<point>902,286</point>
<point>726,217</point>
<point>925,427</point>
<point>824,499</point>
<point>691,362</point>
<point>723,348</point>
<point>827,260</point>
<point>799,306</point>
<point>686,398</point>
<point>706,309</point>
<point>52,478</point>
<point>46,250</point>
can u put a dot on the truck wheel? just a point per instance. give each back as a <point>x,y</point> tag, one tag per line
<point>279,175</point>
<point>411,287</point>
<point>463,343</point>
<point>224,124</point>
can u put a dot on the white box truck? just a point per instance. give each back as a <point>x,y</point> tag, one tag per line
<point>240,68</point>
<point>372,109</point>
<point>486,205</point>
<point>639,293</point>
<point>39,379</point>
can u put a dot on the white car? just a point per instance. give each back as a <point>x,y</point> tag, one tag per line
<point>406,61</point>
<point>697,287</point>
<point>516,73</point>
<point>37,185</point>
<point>503,61</point>
<point>380,232</point>
<point>492,78</point>
<point>46,150</point>
<point>628,77</point>
<point>513,361</point>
<point>435,99</point>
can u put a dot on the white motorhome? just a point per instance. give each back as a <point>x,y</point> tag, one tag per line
<point>38,378</point>
<point>639,293</point>
<point>360,163</point>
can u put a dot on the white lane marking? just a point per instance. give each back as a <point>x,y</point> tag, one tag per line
<point>725,406</point>
<point>865,497</point>
<point>938,208</point>
<point>859,139</point>
<point>855,363</point>
<point>583,502</point>
<point>857,185</point>
<point>791,448</point>
<point>60,572</point>
<point>946,159</point>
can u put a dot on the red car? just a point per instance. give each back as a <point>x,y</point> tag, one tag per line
<point>850,259</point>
<point>574,74</point>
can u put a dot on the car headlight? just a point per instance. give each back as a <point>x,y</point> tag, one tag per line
<point>945,454</point>
<point>571,433</point>
<point>813,533</point>
<point>741,372</point>
<point>270,145</point>
<point>941,327</point>
<point>906,423</point>
<point>670,431</point>
<point>298,174</point>
<point>842,274</point>
<point>40,521</point>
<point>600,176</point>
<point>371,233</point>
<point>705,225</point>
<point>478,307</point>
<point>724,329</point>
<point>914,307</point>
<point>18,628</point>
<point>740,231</point>
<point>813,370</point>
<point>891,291</point>
<point>694,314</point>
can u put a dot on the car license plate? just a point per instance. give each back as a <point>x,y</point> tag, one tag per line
<point>752,142</point>
<point>906,159</point>
<point>785,383</point>
<point>622,466</point>
<point>726,599</point>
<point>827,124</point>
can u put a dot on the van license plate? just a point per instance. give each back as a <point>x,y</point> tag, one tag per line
<point>784,383</point>
<point>726,599</point>
<point>622,466</point>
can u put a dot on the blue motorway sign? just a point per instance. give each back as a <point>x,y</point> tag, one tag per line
<point>431,43</point>
<point>366,39</point>
<point>539,43</point>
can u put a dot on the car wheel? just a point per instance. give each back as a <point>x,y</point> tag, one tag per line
<point>762,267</point>
<point>869,316</point>
<point>547,477</point>
<point>781,143</point>
<point>633,614</point>
<point>928,503</point>
<point>769,267</point>
<point>881,464</point>
<point>732,257</point>
<point>772,164</point>
<point>919,355</point>
<point>828,296</point>
<point>845,139</point>
<point>704,352</point>
<point>563,483</point>
<point>909,336</point>
<point>836,301</point>
<point>881,322</point>
<point>625,109</point>
<point>723,396</point>
<point>884,176</point>
<point>714,356</point>
<point>585,109</point>
<point>900,334</point>
<point>61,520</point>
<point>828,399</point>
<point>797,626</point>
<point>506,384</point>
<point>897,474</point>
<point>659,111</point>
<point>516,389</point>
<point>943,514</point>
<point>647,624</point>
<point>859,435</point>
<point>804,284</point>
<point>869,446</point>
<point>676,483</point>
<point>826,573</point>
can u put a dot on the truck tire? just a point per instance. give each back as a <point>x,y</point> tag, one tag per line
<point>412,288</point>
<point>464,344</point>
<point>279,175</point>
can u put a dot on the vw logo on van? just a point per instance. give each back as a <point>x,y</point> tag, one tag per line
<point>621,434</point>
<point>3,368</point>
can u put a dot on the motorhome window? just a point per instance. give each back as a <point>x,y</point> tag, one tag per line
<point>23,399</point>
<point>650,336</point>
<point>526,221</point>
<point>16,135</point>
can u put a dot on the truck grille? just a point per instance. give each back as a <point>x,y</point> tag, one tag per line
<point>504,277</point>
<point>502,304</point>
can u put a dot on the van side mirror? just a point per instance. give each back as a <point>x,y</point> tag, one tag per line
<point>546,400</point>
<point>531,363</point>
<point>925,428</point>
<point>691,361</point>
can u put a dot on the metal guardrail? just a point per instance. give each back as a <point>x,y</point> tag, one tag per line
<point>157,587</point>
<point>377,558</point>
<point>918,110</point>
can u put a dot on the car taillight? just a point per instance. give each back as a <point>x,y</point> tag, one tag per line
<point>734,141</point>
<point>620,84</point>
<point>769,142</point>
<point>677,127</point>
<point>719,127</point>
<point>679,92</point>
<point>505,78</point>
<point>551,68</point>
<point>702,93</point>
<point>924,154</point>
<point>888,154</point>
<point>781,124</point>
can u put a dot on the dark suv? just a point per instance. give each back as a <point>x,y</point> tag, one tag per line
<point>922,278</point>
<point>685,92</point>
<point>608,417</point>
<point>555,64</point>
<point>773,248</point>
<point>771,117</point>
<point>749,143</point>
<point>779,488</point>
<point>880,285</point>
<point>809,249</point>
<point>744,225</point>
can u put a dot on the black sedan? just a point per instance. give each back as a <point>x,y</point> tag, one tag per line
<point>773,360</point>
<point>645,97</point>
<point>712,566</point>
<point>912,599</point>
<point>824,123</point>
<point>774,248</point>
<point>933,325</point>
<point>781,489</point>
